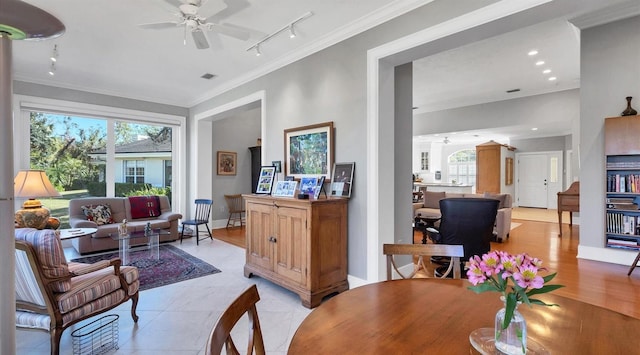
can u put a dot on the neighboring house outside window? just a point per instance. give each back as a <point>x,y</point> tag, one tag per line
<point>141,161</point>
<point>134,171</point>
<point>462,167</point>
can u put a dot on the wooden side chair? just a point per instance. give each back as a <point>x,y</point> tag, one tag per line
<point>235,204</point>
<point>221,333</point>
<point>203,211</point>
<point>422,250</point>
<point>52,295</point>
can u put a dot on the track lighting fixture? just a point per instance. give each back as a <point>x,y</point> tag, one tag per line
<point>258,53</point>
<point>289,27</point>
<point>52,68</point>
<point>54,55</point>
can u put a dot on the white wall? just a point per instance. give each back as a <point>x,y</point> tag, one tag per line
<point>331,86</point>
<point>609,71</point>
<point>235,134</point>
<point>522,111</point>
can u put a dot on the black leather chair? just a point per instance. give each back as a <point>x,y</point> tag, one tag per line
<point>468,222</point>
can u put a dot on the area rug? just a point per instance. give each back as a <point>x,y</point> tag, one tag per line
<point>173,266</point>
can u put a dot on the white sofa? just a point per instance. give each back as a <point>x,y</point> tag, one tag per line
<point>430,207</point>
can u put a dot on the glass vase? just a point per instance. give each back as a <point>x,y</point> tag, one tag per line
<point>513,339</point>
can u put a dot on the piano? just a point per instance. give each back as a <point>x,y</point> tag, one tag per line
<point>569,200</point>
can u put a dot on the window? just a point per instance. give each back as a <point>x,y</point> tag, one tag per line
<point>134,171</point>
<point>424,161</point>
<point>462,167</point>
<point>168,168</point>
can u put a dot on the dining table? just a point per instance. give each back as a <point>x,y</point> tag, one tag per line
<point>437,316</point>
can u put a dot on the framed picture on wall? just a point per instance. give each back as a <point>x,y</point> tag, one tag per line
<point>265,179</point>
<point>308,151</point>
<point>227,163</point>
<point>342,179</point>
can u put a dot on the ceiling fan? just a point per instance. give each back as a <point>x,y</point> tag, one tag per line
<point>192,21</point>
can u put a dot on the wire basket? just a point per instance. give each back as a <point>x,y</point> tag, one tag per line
<point>97,337</point>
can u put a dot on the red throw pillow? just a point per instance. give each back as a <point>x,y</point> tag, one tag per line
<point>144,206</point>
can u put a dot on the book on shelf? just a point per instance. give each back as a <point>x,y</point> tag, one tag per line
<point>622,206</point>
<point>620,223</point>
<point>621,243</point>
<point>621,200</point>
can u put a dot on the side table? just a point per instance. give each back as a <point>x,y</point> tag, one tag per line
<point>124,243</point>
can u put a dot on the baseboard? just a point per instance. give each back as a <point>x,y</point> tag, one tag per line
<point>607,255</point>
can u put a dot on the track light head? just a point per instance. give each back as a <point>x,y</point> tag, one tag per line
<point>258,53</point>
<point>292,31</point>
<point>54,54</point>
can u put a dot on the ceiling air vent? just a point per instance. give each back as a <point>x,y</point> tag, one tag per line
<point>208,76</point>
<point>512,91</point>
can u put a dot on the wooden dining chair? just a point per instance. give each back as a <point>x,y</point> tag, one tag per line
<point>221,333</point>
<point>235,205</point>
<point>455,252</point>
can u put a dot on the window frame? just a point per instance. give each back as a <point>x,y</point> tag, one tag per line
<point>24,104</point>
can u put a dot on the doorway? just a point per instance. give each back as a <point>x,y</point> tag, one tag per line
<point>538,179</point>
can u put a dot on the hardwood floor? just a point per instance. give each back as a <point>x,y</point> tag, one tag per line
<point>602,284</point>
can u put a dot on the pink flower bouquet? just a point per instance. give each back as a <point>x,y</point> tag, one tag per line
<point>516,277</point>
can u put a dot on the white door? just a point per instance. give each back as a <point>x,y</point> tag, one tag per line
<point>532,180</point>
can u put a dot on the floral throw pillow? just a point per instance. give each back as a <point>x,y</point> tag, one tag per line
<point>101,214</point>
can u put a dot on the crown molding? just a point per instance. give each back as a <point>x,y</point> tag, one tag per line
<point>608,14</point>
<point>364,23</point>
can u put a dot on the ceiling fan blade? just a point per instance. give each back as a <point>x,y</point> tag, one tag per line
<point>233,7</point>
<point>175,3</point>
<point>160,25</point>
<point>200,39</point>
<point>228,31</point>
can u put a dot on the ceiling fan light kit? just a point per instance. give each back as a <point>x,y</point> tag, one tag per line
<point>288,27</point>
<point>198,26</point>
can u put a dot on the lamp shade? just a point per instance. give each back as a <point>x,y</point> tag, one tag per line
<point>33,184</point>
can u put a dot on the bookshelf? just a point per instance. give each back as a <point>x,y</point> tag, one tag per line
<point>622,158</point>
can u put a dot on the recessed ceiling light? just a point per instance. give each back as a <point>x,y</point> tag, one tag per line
<point>546,71</point>
<point>534,128</point>
<point>533,52</point>
<point>552,78</point>
<point>540,62</point>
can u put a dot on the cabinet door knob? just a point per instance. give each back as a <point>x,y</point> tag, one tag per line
<point>272,239</point>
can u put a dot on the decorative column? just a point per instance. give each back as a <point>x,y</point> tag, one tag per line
<point>18,21</point>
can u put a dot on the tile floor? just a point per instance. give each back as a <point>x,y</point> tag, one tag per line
<point>177,319</point>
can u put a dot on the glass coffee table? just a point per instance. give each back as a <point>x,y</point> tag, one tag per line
<point>131,241</point>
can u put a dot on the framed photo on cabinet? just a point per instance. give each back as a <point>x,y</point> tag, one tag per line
<point>285,188</point>
<point>265,179</point>
<point>342,179</point>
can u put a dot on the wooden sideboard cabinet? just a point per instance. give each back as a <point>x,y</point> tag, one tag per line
<point>300,245</point>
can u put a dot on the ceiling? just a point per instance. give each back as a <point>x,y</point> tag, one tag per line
<point>484,71</point>
<point>105,51</point>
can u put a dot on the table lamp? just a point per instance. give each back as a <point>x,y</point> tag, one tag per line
<point>33,184</point>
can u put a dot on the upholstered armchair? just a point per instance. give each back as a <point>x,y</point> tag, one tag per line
<point>52,295</point>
